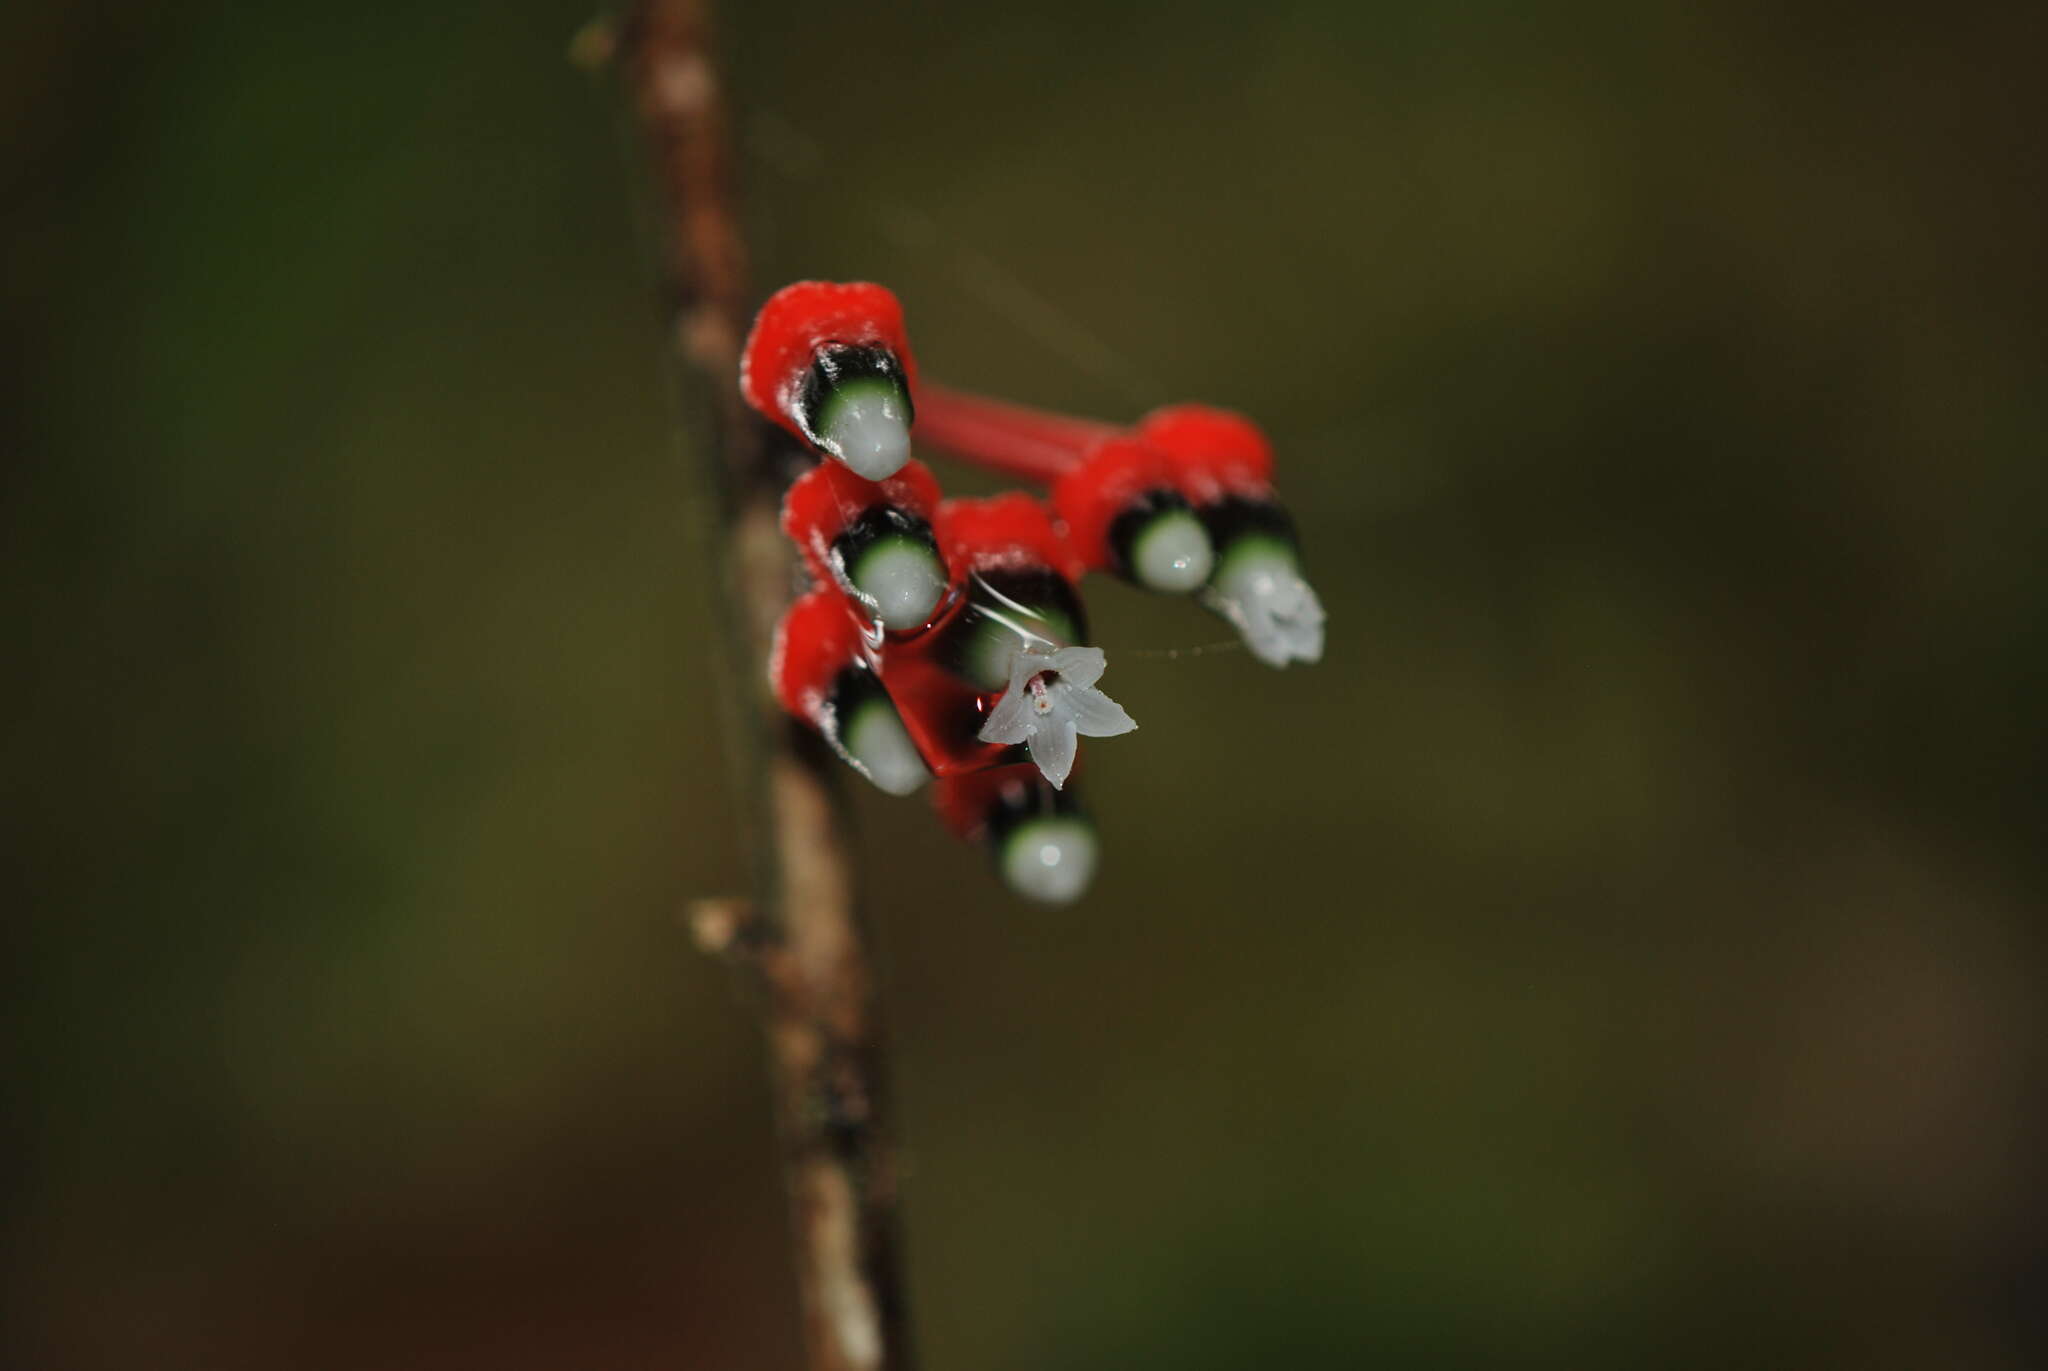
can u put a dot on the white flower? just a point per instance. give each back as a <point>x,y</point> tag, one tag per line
<point>1261,591</point>
<point>1051,701</point>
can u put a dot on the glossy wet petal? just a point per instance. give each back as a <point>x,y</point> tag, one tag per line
<point>1264,594</point>
<point>1053,745</point>
<point>1095,714</point>
<point>1013,718</point>
<point>1077,666</point>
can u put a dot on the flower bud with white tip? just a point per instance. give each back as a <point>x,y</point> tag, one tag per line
<point>831,363</point>
<point>854,404</point>
<point>823,673</point>
<point>1258,585</point>
<point>1049,857</point>
<point>1042,842</point>
<point>1224,466</point>
<point>872,539</point>
<point>1122,513</point>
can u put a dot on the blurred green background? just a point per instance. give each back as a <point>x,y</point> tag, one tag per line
<point>1621,950</point>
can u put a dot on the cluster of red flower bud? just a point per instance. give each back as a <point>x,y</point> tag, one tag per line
<point>945,639</point>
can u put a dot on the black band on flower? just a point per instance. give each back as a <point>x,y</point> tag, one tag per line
<point>1235,517</point>
<point>1130,525</point>
<point>842,364</point>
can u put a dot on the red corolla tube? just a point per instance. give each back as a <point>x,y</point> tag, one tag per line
<point>831,362</point>
<point>1012,440</point>
<point>823,672</point>
<point>1042,842</point>
<point>872,539</point>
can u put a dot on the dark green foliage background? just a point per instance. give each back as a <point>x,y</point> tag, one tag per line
<point>1621,951</point>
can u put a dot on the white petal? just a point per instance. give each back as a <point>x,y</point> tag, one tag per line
<point>1262,592</point>
<point>1081,666</point>
<point>1012,720</point>
<point>1027,660</point>
<point>1053,745</point>
<point>1306,628</point>
<point>1095,715</point>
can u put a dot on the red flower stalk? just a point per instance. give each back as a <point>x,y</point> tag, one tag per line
<point>1012,440</point>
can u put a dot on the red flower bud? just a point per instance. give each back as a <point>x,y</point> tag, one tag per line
<point>1214,452</point>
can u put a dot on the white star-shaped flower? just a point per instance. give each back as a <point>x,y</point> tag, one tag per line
<point>1051,702</point>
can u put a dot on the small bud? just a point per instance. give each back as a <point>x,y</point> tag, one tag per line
<point>1050,859</point>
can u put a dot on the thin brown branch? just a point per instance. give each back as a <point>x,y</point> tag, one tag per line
<point>799,938</point>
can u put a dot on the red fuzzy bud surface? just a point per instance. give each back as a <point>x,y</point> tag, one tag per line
<point>801,318</point>
<point>1088,499</point>
<point>818,638</point>
<point>1001,531</point>
<point>829,497</point>
<point>1213,451</point>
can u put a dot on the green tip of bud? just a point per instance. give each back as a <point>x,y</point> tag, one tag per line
<point>865,423</point>
<point>903,582</point>
<point>1172,554</point>
<point>876,741</point>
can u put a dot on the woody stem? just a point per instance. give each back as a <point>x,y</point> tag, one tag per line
<point>799,940</point>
